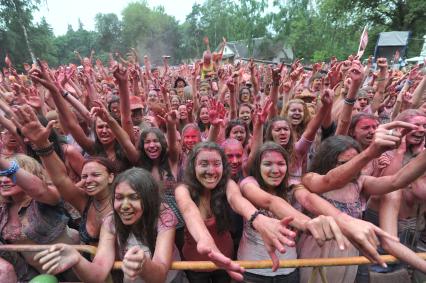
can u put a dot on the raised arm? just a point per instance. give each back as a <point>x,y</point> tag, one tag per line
<point>408,174</point>
<point>67,117</point>
<point>343,174</point>
<point>356,76</point>
<point>257,138</point>
<point>171,121</point>
<point>132,153</point>
<point>32,185</point>
<point>38,135</point>
<point>121,76</point>
<point>313,125</point>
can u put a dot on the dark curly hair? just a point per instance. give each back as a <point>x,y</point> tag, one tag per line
<point>218,202</point>
<point>281,189</point>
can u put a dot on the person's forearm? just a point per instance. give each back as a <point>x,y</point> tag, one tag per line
<point>389,210</point>
<point>410,172</point>
<point>90,272</point>
<point>172,142</point>
<point>315,123</point>
<point>346,112</point>
<point>419,93</point>
<point>214,132</point>
<point>256,143</point>
<point>233,104</point>
<point>131,152</point>
<point>81,109</point>
<point>126,120</point>
<point>153,272</point>
<point>281,208</point>
<point>274,98</point>
<point>339,176</point>
<point>31,184</point>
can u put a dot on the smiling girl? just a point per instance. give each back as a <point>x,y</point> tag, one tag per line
<point>140,232</point>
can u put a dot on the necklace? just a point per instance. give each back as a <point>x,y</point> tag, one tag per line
<point>98,205</point>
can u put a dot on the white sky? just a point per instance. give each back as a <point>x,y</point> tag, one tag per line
<point>60,13</point>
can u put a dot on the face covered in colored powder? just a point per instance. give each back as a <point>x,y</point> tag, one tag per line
<point>190,138</point>
<point>364,131</point>
<point>273,168</point>
<point>208,168</point>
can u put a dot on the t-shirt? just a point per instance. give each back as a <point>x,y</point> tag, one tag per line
<point>252,246</point>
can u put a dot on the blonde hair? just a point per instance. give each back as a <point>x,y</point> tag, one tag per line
<point>30,165</point>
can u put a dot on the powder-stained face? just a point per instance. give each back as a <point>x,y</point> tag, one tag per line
<point>127,204</point>
<point>152,146</point>
<point>273,168</point>
<point>281,132</point>
<point>204,115</point>
<point>245,95</point>
<point>417,137</point>
<point>96,178</point>
<point>239,133</point>
<point>364,131</point>
<point>234,153</point>
<point>245,114</point>
<point>208,168</point>
<point>104,132</point>
<point>295,113</point>
<point>8,188</point>
<point>190,138</point>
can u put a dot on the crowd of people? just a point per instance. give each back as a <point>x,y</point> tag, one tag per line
<point>214,161</point>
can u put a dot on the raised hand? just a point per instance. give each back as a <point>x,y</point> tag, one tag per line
<point>120,74</point>
<point>44,77</point>
<point>58,258</point>
<point>387,137</point>
<point>99,110</point>
<point>29,125</point>
<point>215,111</point>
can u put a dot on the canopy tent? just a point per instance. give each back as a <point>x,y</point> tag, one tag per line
<point>389,42</point>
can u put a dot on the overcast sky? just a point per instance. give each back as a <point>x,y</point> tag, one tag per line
<point>60,13</point>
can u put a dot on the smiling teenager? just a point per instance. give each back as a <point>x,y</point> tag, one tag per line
<point>140,232</point>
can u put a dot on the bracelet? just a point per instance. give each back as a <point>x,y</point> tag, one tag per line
<point>253,217</point>
<point>44,151</point>
<point>11,171</point>
<point>65,94</point>
<point>380,79</point>
<point>409,82</point>
<point>350,101</point>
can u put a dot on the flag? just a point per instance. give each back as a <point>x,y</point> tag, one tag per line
<point>363,42</point>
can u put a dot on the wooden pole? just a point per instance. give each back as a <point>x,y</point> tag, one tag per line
<point>208,265</point>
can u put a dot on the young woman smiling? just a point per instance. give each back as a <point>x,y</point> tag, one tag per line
<point>203,200</point>
<point>140,232</point>
<point>91,195</point>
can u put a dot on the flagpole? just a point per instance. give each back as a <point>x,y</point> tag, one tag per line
<point>362,35</point>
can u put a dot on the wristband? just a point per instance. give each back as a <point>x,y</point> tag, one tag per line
<point>44,151</point>
<point>380,79</point>
<point>11,171</point>
<point>350,101</point>
<point>253,217</point>
<point>65,94</point>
